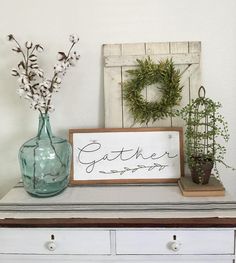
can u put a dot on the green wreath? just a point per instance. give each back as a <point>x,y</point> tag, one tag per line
<point>149,73</point>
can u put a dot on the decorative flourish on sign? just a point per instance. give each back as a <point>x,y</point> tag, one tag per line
<point>92,154</point>
<point>139,167</point>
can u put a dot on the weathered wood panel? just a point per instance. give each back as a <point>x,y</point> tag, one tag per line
<point>130,60</point>
<point>133,49</point>
<point>157,48</point>
<point>119,58</point>
<point>113,94</point>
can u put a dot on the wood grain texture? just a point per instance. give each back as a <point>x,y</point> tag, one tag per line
<point>112,50</point>
<point>113,97</point>
<point>131,60</point>
<point>179,47</point>
<point>133,49</point>
<point>121,222</point>
<point>157,48</point>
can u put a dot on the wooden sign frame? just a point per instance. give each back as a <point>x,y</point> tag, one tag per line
<point>126,155</point>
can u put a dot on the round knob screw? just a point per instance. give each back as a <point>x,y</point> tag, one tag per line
<point>51,245</point>
<point>175,246</point>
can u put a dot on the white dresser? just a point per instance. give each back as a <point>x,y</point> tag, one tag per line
<point>117,224</point>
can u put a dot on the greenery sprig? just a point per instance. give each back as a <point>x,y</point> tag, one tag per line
<point>149,73</point>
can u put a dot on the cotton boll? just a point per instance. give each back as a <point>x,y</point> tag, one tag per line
<point>20,91</point>
<point>59,68</point>
<point>73,38</point>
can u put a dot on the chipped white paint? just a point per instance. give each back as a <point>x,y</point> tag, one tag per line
<point>157,48</point>
<point>112,78</point>
<point>119,58</point>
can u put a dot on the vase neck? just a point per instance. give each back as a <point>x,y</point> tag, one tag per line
<point>44,127</point>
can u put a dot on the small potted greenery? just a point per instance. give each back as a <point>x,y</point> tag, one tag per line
<point>205,134</point>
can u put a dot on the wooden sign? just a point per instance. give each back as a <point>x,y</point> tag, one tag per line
<point>138,155</point>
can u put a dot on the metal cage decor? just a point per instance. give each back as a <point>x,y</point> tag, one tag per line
<point>204,125</point>
<point>201,144</point>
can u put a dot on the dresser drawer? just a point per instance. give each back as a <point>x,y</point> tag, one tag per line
<point>175,242</point>
<point>54,241</point>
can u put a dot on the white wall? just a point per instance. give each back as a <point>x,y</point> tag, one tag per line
<point>80,101</point>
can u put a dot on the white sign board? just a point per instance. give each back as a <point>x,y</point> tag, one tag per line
<point>142,155</point>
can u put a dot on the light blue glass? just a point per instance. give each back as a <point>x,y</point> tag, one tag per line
<point>45,162</point>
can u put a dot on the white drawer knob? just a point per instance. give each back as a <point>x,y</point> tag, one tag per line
<point>51,245</point>
<point>175,246</point>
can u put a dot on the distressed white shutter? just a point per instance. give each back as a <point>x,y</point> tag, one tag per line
<point>118,58</point>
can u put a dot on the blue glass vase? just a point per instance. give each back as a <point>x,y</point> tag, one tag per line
<point>45,162</point>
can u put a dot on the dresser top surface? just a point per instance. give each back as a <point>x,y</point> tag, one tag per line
<point>128,202</point>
